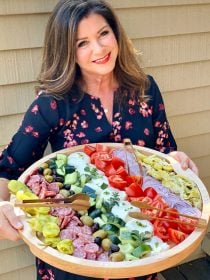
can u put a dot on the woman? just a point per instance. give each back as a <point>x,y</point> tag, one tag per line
<point>91,90</point>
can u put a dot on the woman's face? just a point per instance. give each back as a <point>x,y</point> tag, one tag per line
<point>96,46</point>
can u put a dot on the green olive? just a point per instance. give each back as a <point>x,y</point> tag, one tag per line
<point>65,193</point>
<point>100,233</point>
<point>106,244</point>
<point>47,171</point>
<point>59,184</point>
<point>48,178</point>
<point>44,165</point>
<point>87,220</point>
<point>117,257</point>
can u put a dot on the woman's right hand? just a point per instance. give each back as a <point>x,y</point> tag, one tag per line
<point>9,222</point>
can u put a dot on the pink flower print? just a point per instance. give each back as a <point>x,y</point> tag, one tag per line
<point>157,124</point>
<point>144,105</point>
<point>10,159</point>
<point>117,115</point>
<point>146,131</point>
<point>99,116</point>
<point>35,134</point>
<point>61,122</point>
<point>84,124</point>
<point>161,107</point>
<point>98,129</point>
<point>53,105</point>
<point>85,141</point>
<point>131,102</point>
<point>28,129</point>
<point>141,143</point>
<point>83,112</point>
<point>35,109</point>
<point>80,135</point>
<point>52,277</point>
<point>159,141</point>
<point>131,111</point>
<point>45,277</point>
<point>41,271</point>
<point>128,125</point>
<point>117,138</point>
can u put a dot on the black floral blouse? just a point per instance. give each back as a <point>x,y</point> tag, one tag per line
<point>66,123</point>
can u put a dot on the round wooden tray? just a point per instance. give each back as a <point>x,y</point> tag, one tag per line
<point>116,270</point>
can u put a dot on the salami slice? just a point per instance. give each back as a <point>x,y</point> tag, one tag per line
<point>91,248</point>
<point>79,253</point>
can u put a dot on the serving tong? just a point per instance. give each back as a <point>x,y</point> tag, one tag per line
<point>77,202</point>
<point>199,222</point>
<point>128,146</point>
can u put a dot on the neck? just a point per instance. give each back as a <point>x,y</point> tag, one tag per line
<point>99,86</point>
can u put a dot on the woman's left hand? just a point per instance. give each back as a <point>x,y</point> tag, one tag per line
<point>184,160</point>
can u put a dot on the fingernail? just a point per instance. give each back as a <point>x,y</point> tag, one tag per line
<point>19,225</point>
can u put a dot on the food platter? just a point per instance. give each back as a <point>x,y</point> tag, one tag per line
<point>123,269</point>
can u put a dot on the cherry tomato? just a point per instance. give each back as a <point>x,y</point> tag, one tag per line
<point>104,156</point>
<point>89,150</point>
<point>117,182</point>
<point>176,236</point>
<point>117,162</point>
<point>102,148</point>
<point>100,164</point>
<point>161,229</point>
<point>187,228</point>
<point>150,192</point>
<point>122,172</point>
<point>109,170</point>
<point>134,190</point>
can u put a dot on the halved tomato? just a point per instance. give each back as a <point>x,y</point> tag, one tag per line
<point>161,229</point>
<point>134,190</point>
<point>150,192</point>
<point>117,182</point>
<point>102,148</point>
<point>176,236</point>
<point>117,162</point>
<point>89,150</point>
<point>187,228</point>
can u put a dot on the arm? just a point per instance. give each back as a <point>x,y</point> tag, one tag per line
<point>164,138</point>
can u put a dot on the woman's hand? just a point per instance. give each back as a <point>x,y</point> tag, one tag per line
<point>9,222</point>
<point>184,160</point>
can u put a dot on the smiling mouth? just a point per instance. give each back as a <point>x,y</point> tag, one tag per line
<point>103,59</point>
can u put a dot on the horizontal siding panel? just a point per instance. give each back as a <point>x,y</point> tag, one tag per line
<point>206,182</point>
<point>15,99</point>
<point>9,125</point>
<point>28,273</point>
<point>195,146</point>
<point>190,125</point>
<point>165,21</point>
<point>203,164</point>
<point>22,31</point>
<point>153,3</point>
<point>173,49</point>
<point>15,258</point>
<point>20,66</point>
<point>26,6</point>
<point>5,244</point>
<point>181,76</point>
<point>43,6</point>
<point>187,101</point>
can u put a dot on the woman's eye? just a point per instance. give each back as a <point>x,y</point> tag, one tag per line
<point>82,44</point>
<point>104,33</point>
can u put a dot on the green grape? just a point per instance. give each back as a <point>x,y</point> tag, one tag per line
<point>66,246</point>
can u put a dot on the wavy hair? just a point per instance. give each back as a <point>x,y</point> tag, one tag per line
<point>60,72</point>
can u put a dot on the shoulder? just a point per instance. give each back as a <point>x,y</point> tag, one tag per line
<point>153,91</point>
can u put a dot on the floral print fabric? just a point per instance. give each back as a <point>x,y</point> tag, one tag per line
<point>66,123</point>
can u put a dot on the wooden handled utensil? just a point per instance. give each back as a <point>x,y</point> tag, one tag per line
<point>77,202</point>
<point>199,221</point>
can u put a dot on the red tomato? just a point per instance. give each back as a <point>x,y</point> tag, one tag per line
<point>117,182</point>
<point>117,162</point>
<point>100,164</point>
<point>134,190</point>
<point>147,200</point>
<point>122,172</point>
<point>109,170</point>
<point>172,216</point>
<point>150,192</point>
<point>104,156</point>
<point>89,150</point>
<point>102,148</point>
<point>187,228</point>
<point>176,236</point>
<point>161,229</point>
<point>155,212</point>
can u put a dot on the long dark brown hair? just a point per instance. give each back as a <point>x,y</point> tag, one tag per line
<point>59,71</point>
